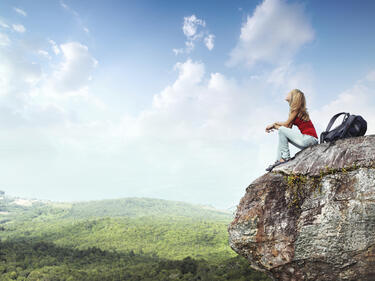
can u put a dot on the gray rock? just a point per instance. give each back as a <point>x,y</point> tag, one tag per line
<point>313,217</point>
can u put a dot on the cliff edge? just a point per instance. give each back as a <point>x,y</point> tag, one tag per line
<point>313,217</point>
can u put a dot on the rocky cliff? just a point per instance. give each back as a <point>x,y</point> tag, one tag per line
<point>312,218</point>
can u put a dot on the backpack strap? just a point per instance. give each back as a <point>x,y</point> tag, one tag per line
<point>329,145</point>
<point>333,119</point>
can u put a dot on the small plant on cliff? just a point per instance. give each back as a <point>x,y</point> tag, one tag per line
<point>300,185</point>
<point>296,185</point>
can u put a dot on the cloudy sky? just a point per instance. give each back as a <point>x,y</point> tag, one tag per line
<point>169,99</point>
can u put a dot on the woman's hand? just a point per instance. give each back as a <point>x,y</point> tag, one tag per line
<point>270,128</point>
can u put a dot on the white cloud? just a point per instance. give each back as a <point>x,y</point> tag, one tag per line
<point>209,41</point>
<point>44,54</point>
<point>19,28</point>
<point>39,94</point>
<point>189,74</point>
<point>199,125</point>
<point>55,48</point>
<point>204,122</point>
<point>273,34</point>
<point>64,5</point>
<point>194,30</point>
<point>4,40</point>
<point>178,51</point>
<point>16,74</point>
<point>33,97</point>
<point>213,108</point>
<point>189,46</point>
<point>18,77</point>
<point>3,24</point>
<point>20,11</point>
<point>76,16</point>
<point>74,71</point>
<point>68,8</point>
<point>191,24</point>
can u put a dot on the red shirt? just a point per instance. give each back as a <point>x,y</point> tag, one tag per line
<point>306,127</point>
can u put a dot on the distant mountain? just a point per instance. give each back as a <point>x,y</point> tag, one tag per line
<point>15,208</point>
<point>170,229</point>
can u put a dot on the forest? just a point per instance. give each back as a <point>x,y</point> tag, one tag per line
<point>120,239</point>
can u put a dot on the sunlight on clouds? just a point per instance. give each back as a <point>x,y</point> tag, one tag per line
<point>189,72</point>
<point>201,121</point>
<point>74,71</point>
<point>210,114</point>
<point>273,34</point>
<point>35,96</point>
<point>211,109</point>
<point>19,108</point>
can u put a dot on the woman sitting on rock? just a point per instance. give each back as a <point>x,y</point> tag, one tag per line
<point>298,115</point>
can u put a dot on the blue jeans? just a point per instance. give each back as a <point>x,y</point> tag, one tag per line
<point>296,138</point>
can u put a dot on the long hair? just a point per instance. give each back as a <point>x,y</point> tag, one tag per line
<point>298,103</point>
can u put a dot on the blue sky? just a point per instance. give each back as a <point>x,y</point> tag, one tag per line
<point>169,99</point>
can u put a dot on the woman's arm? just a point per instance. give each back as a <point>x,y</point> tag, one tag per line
<point>288,123</point>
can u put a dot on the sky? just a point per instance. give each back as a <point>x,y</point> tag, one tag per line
<point>169,99</point>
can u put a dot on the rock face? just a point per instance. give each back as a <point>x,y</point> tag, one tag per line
<point>312,218</point>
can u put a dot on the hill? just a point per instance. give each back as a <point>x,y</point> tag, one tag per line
<point>15,208</point>
<point>170,229</point>
<point>116,239</point>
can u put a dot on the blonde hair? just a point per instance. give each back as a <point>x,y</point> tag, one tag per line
<point>298,103</point>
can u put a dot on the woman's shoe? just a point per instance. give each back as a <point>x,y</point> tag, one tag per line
<point>270,167</point>
<point>286,160</point>
<point>278,162</point>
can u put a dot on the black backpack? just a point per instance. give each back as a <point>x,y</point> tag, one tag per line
<point>351,126</point>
